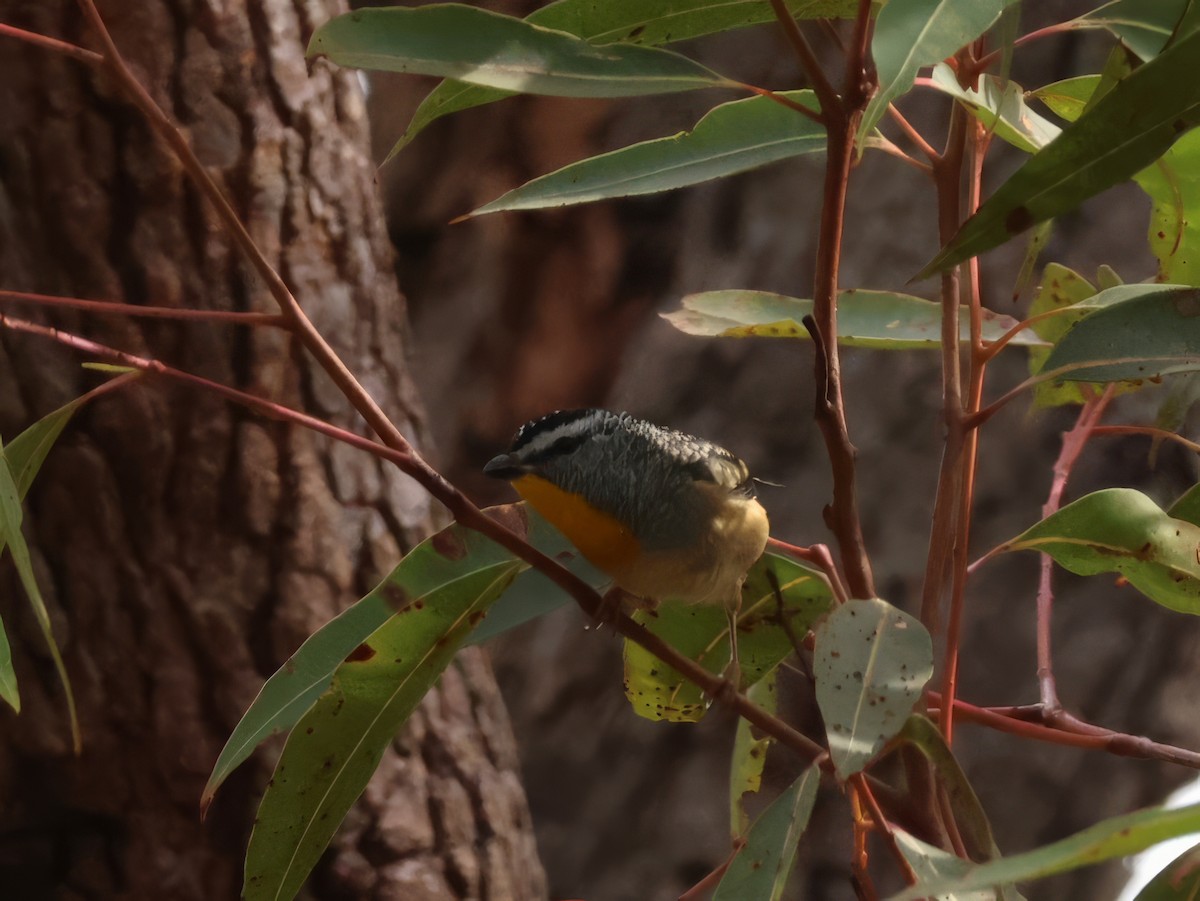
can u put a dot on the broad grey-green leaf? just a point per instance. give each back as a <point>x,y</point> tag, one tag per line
<point>910,34</point>
<point>1123,132</point>
<point>1143,25</point>
<point>646,22</point>
<point>1115,837</point>
<point>1119,530</point>
<point>485,48</point>
<point>1151,330</point>
<point>1000,105</point>
<point>337,745</point>
<point>734,137</point>
<point>760,870</point>
<point>701,632</point>
<point>879,319</point>
<point>930,863</point>
<point>871,663</point>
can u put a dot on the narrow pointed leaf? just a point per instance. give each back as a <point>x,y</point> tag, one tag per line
<point>1119,530</point>
<point>1143,25</point>
<point>931,863</point>
<point>701,632</point>
<point>749,755</point>
<point>8,676</point>
<point>10,534</point>
<point>1156,331</point>
<point>734,137</point>
<point>1068,98</point>
<point>760,870</point>
<point>871,663</point>
<point>1173,183</point>
<point>435,562</point>
<point>1178,881</point>
<point>486,48</point>
<point>1126,130</point>
<point>646,22</point>
<point>910,34</point>
<point>1187,507</point>
<point>337,745</point>
<point>1116,837</point>
<point>879,319</point>
<point>1000,105</point>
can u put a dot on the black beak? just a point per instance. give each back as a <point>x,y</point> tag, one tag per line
<point>504,466</point>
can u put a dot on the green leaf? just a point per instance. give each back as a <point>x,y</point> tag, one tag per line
<point>486,48</point>
<point>1142,25</point>
<point>930,864</point>
<point>27,452</point>
<point>1143,331</point>
<point>1000,105</point>
<point>1187,507</point>
<point>701,632</point>
<point>1116,837</point>
<point>910,34</point>
<point>336,747</point>
<point>749,755</point>
<point>1119,530</point>
<point>1178,881</point>
<point>1065,290</point>
<point>1126,130</point>
<point>1173,183</point>
<point>871,663</point>
<point>645,22</point>
<point>10,534</point>
<point>734,137</point>
<point>8,676</point>
<point>1067,98</point>
<point>760,870</point>
<point>879,319</point>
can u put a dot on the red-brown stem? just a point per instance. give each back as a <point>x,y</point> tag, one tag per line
<point>994,347</point>
<point>1074,733</point>
<point>858,780</point>
<point>879,142</point>
<point>712,880</point>
<point>467,515</point>
<point>976,150</point>
<point>860,856</point>
<point>1073,443</point>
<point>985,61</point>
<point>783,101</point>
<point>312,339</point>
<point>54,44</point>
<point>819,556</point>
<point>913,135</point>
<point>821,85</point>
<point>1149,431</point>
<point>108,307</point>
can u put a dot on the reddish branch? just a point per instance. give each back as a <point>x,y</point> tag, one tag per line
<point>112,308</point>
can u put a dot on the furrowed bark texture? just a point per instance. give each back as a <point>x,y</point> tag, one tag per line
<point>187,547</point>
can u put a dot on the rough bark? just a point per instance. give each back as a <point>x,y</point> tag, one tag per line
<point>186,547</point>
<point>526,312</point>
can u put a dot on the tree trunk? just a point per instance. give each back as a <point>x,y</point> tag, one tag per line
<point>185,546</point>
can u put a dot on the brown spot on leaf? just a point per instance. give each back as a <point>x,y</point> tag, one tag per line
<point>396,596</point>
<point>1187,303</point>
<point>449,544</point>
<point>1018,220</point>
<point>363,652</point>
<point>476,618</point>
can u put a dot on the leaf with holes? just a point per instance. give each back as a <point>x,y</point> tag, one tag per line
<point>335,748</point>
<point>871,662</point>
<point>1119,530</point>
<point>485,48</point>
<point>701,632</point>
<point>749,755</point>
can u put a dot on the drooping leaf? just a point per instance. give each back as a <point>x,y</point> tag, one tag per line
<point>434,563</point>
<point>760,870</point>
<point>1143,25</point>
<point>879,319</point>
<point>1115,837</point>
<point>734,137</point>
<point>1119,530</point>
<point>8,676</point>
<point>910,34</point>
<point>1177,881</point>
<point>485,48</point>
<point>1141,332</point>
<point>1173,183</point>
<point>337,745</point>
<point>701,632</point>
<point>1000,105</point>
<point>1067,98</point>
<point>749,755</point>
<point>931,863</point>
<point>646,22</point>
<point>10,535</point>
<point>27,452</point>
<point>1123,132</point>
<point>871,663</point>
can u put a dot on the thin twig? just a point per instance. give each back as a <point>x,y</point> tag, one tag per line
<point>883,826</point>
<point>1149,431</point>
<point>467,515</point>
<point>819,556</point>
<point>912,134</point>
<point>108,307</point>
<point>784,101</point>
<point>881,142</point>
<point>48,43</point>
<point>827,96</point>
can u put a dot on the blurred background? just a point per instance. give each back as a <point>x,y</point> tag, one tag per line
<point>515,315</point>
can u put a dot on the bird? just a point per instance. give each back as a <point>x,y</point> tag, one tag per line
<point>666,515</point>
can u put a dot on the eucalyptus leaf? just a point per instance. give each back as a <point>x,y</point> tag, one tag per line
<point>749,755</point>
<point>1000,105</point>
